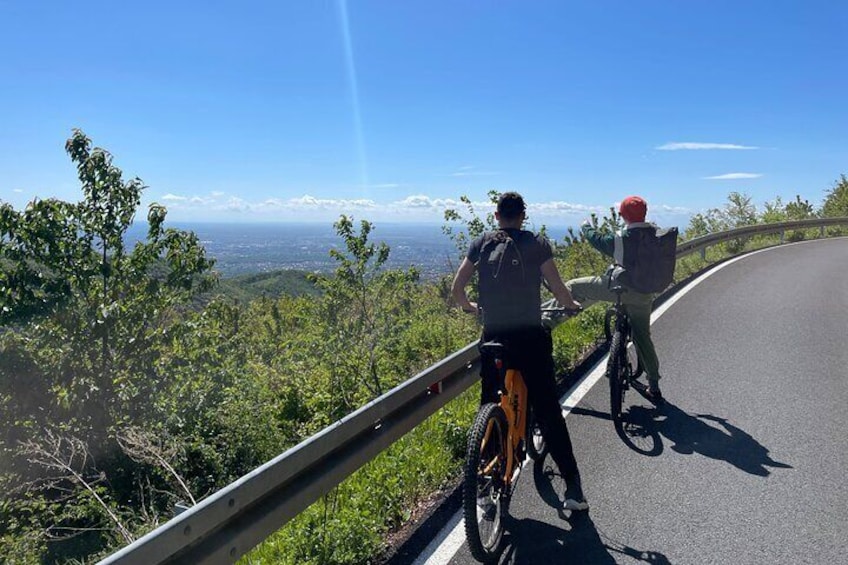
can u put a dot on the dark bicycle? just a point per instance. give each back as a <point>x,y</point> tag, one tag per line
<point>623,365</point>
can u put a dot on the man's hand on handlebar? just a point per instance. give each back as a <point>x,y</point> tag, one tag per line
<point>575,306</point>
<point>471,308</point>
<point>553,314</point>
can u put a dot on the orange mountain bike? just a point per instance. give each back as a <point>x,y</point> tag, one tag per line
<point>502,436</point>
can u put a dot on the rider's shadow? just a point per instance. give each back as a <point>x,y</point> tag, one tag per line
<point>724,441</point>
<point>642,429</point>
<point>573,540</point>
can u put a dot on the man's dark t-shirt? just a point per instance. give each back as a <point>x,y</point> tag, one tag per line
<point>513,305</point>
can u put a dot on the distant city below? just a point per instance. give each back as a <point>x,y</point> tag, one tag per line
<point>255,248</point>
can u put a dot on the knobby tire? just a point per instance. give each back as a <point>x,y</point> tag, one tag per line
<point>616,373</point>
<point>485,496</point>
<point>633,358</point>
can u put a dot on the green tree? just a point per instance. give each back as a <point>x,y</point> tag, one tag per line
<point>836,199</point>
<point>800,209</point>
<point>773,211</point>
<point>471,225</point>
<point>363,311</point>
<point>86,319</point>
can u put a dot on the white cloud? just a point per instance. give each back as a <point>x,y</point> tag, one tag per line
<point>670,209</point>
<point>414,207</point>
<point>734,176</point>
<point>217,193</point>
<point>307,201</point>
<point>423,202</point>
<point>692,145</point>
<point>236,204</point>
<point>559,207</point>
<point>474,174</point>
<point>18,190</point>
<point>470,171</point>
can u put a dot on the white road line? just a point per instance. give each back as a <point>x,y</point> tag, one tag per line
<point>446,544</point>
<point>442,549</point>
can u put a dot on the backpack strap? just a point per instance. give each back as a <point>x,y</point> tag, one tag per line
<point>618,248</point>
<point>501,239</point>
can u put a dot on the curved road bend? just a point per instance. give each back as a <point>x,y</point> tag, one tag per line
<point>748,461</point>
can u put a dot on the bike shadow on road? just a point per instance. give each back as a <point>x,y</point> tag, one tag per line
<point>711,436</point>
<point>636,429</point>
<point>642,429</point>
<point>575,541</point>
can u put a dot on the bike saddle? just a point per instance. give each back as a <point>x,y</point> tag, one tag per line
<point>493,348</point>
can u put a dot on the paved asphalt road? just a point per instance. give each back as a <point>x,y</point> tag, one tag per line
<point>748,461</point>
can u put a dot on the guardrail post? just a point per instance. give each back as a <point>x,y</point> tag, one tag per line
<point>821,231</point>
<point>782,234</point>
<point>704,253</point>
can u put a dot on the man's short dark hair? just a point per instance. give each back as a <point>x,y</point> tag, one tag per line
<point>510,205</point>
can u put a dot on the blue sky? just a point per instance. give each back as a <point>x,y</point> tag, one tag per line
<point>280,111</point>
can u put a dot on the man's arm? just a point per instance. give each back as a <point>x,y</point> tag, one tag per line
<point>603,243</point>
<point>463,275</point>
<point>558,288</point>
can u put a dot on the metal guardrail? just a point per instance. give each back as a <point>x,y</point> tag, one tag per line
<point>230,522</point>
<point>701,243</point>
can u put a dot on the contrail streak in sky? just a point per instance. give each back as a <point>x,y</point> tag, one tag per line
<point>351,73</point>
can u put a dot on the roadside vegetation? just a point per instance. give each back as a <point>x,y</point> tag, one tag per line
<point>126,374</point>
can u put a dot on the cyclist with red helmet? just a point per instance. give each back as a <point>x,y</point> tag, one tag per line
<point>622,247</point>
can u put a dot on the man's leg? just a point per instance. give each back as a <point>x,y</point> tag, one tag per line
<point>639,309</point>
<point>490,381</point>
<point>538,371</point>
<point>588,290</point>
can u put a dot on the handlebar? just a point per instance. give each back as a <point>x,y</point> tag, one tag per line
<point>553,316</point>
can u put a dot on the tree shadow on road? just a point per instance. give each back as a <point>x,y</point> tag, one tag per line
<point>576,540</point>
<point>694,433</point>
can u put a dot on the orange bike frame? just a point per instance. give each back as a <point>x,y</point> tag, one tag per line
<point>514,404</point>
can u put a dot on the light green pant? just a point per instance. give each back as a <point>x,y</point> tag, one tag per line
<point>588,290</point>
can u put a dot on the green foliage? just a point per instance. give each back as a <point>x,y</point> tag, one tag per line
<point>366,309</point>
<point>122,391</point>
<point>577,257</point>
<point>246,288</point>
<point>737,212</point>
<point>347,525</point>
<point>90,319</point>
<point>836,202</point>
<point>471,226</point>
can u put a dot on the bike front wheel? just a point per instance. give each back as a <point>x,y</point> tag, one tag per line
<point>616,373</point>
<point>485,490</point>
<point>537,448</point>
<point>636,368</point>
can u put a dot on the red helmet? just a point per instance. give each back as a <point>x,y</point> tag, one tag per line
<point>633,209</point>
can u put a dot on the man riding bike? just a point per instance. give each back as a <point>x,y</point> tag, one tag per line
<point>512,264</point>
<point>622,248</point>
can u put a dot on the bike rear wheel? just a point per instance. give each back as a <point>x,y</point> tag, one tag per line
<point>616,374</point>
<point>485,492</point>
<point>537,447</point>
